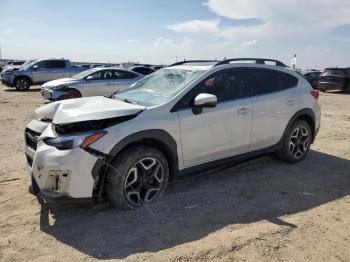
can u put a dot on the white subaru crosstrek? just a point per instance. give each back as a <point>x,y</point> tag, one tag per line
<point>186,117</point>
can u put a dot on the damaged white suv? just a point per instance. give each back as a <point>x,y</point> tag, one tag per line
<point>183,118</point>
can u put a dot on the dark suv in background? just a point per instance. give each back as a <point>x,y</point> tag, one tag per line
<point>312,77</point>
<point>335,79</point>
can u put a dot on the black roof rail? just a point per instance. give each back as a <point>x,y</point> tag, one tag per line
<point>257,61</point>
<point>193,61</point>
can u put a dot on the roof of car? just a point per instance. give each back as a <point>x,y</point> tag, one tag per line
<point>139,66</point>
<point>192,67</point>
<point>113,68</point>
<point>207,64</point>
<point>336,68</point>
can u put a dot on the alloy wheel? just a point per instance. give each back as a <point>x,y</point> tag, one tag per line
<point>144,181</point>
<point>299,142</point>
<point>21,84</point>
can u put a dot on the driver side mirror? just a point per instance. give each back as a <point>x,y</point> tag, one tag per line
<point>203,101</point>
<point>89,78</point>
<point>35,67</point>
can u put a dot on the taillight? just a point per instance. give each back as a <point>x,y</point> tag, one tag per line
<point>315,94</point>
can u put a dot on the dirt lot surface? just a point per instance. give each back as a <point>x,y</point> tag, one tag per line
<point>260,210</point>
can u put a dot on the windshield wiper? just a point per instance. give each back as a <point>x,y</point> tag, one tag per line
<point>113,94</point>
<point>128,101</point>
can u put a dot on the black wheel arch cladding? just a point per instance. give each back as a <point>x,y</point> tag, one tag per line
<point>156,138</point>
<point>23,77</point>
<point>305,114</point>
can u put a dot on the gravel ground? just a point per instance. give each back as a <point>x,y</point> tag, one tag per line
<point>260,210</point>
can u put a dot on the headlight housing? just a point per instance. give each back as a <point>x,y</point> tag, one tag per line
<point>74,141</point>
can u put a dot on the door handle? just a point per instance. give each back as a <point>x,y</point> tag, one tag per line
<point>290,103</point>
<point>243,111</point>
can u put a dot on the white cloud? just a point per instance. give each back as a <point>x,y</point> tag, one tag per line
<point>296,12</point>
<point>162,42</point>
<point>166,43</point>
<point>289,27</point>
<point>9,31</point>
<point>249,43</point>
<point>131,40</point>
<point>231,9</point>
<point>195,26</point>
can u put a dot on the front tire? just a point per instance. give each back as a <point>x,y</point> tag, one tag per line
<point>297,142</point>
<point>139,176</point>
<point>22,84</point>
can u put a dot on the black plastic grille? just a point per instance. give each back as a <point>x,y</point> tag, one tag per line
<point>31,138</point>
<point>29,160</point>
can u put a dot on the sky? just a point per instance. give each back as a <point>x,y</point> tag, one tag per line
<point>163,31</point>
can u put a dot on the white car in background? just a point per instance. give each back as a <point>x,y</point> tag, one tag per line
<point>92,82</point>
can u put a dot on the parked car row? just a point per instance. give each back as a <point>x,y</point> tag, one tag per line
<point>93,82</point>
<point>38,72</point>
<point>144,69</point>
<point>335,78</point>
<point>62,80</point>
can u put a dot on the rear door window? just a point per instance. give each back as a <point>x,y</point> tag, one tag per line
<point>265,81</point>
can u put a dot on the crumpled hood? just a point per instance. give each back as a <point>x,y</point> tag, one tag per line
<point>63,81</point>
<point>88,108</point>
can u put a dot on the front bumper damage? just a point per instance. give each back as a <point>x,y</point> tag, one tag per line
<point>50,197</point>
<point>72,173</point>
<point>57,175</point>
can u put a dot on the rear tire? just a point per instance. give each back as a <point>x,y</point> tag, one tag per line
<point>297,142</point>
<point>139,176</point>
<point>22,84</point>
